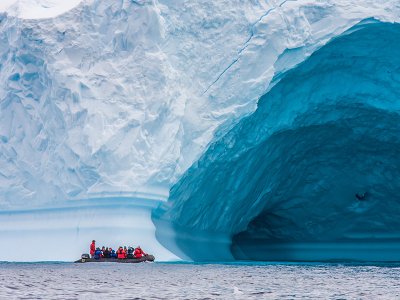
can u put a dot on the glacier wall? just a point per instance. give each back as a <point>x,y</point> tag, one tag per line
<point>124,96</point>
<point>313,173</point>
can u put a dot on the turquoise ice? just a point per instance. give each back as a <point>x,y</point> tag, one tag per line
<point>282,183</point>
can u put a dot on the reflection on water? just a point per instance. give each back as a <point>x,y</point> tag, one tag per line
<point>197,281</point>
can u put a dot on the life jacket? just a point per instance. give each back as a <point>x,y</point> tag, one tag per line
<point>121,253</point>
<point>138,253</point>
<point>97,254</point>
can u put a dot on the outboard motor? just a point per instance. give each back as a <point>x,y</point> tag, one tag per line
<point>84,257</point>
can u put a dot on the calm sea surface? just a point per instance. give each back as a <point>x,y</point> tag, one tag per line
<point>197,281</point>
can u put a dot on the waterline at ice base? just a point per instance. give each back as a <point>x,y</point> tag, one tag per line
<point>64,232</point>
<point>313,174</point>
<point>200,130</point>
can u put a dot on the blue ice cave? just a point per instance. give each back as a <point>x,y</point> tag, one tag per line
<point>312,174</point>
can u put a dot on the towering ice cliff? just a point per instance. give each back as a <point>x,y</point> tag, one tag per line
<point>116,100</point>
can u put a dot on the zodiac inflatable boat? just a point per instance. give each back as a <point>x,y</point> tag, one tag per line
<point>85,258</point>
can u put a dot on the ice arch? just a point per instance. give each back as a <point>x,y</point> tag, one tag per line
<point>282,184</point>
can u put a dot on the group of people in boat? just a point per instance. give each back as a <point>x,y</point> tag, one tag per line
<point>121,253</point>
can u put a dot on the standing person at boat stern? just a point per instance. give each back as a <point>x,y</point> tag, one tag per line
<point>92,248</point>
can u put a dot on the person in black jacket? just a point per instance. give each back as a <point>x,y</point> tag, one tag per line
<point>106,253</point>
<point>130,252</point>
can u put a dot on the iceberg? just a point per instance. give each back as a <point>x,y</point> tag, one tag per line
<point>117,100</point>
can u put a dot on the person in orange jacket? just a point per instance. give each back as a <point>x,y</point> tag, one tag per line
<point>126,252</point>
<point>121,253</point>
<point>92,248</point>
<point>139,252</point>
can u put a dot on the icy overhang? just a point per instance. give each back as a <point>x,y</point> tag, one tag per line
<point>283,183</point>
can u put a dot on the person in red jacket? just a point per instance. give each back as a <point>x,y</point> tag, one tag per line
<point>92,248</point>
<point>139,252</point>
<point>121,253</point>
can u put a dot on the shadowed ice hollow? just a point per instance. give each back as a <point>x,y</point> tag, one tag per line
<point>283,183</point>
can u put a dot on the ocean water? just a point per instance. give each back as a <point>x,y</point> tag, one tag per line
<point>198,281</point>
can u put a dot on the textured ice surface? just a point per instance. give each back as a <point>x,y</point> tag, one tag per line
<point>37,9</point>
<point>283,182</point>
<point>125,95</point>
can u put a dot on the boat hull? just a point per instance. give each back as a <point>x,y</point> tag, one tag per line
<point>115,260</point>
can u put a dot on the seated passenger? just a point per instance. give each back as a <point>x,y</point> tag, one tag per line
<point>106,253</point>
<point>102,251</point>
<point>97,253</point>
<point>126,251</point>
<point>121,253</point>
<point>112,253</point>
<point>139,252</point>
<point>130,252</point>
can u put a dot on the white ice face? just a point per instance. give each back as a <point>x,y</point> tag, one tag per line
<point>124,96</point>
<point>37,9</point>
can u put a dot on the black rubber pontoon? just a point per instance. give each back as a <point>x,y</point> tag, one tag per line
<point>148,257</point>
